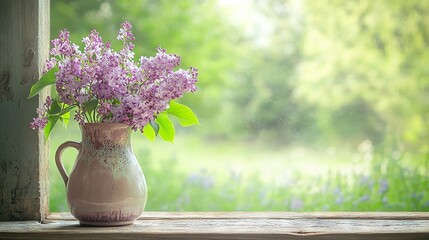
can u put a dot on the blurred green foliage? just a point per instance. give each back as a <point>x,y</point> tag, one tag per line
<point>332,70</point>
<point>369,58</point>
<point>322,74</point>
<point>194,175</point>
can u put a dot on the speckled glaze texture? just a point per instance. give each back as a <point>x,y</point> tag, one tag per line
<point>106,186</point>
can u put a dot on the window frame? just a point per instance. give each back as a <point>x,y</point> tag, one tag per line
<point>24,43</point>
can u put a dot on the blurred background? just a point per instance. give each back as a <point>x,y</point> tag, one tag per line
<point>304,105</point>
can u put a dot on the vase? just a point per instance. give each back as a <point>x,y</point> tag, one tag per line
<point>106,186</point>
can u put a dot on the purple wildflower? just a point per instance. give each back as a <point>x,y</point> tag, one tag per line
<point>296,204</point>
<point>384,186</point>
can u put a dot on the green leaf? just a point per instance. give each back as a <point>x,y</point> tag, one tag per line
<point>55,107</point>
<point>149,133</point>
<point>90,105</point>
<point>58,111</point>
<point>155,127</point>
<point>65,118</point>
<point>52,120</point>
<point>151,130</point>
<point>44,81</point>
<point>65,110</point>
<point>183,113</point>
<point>166,127</point>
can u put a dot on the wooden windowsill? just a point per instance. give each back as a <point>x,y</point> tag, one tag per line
<point>232,225</point>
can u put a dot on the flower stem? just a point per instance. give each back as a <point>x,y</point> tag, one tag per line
<point>86,116</point>
<point>94,116</point>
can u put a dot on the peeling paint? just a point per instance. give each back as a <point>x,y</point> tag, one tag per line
<point>23,161</point>
<point>28,57</point>
<point>5,89</point>
<point>28,76</point>
<point>27,62</point>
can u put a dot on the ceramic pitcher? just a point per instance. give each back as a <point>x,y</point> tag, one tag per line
<point>106,186</point>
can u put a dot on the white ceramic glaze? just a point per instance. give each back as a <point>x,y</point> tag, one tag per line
<point>106,186</point>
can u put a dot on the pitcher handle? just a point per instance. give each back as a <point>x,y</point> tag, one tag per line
<point>58,154</point>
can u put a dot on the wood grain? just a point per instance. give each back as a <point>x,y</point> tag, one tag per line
<point>232,225</point>
<point>66,216</point>
<point>24,44</point>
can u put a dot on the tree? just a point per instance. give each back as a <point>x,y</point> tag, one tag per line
<point>370,51</point>
<point>265,100</point>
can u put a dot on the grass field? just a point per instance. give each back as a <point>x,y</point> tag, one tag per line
<point>201,175</point>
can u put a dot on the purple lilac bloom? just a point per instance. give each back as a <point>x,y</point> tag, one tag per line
<point>160,66</point>
<point>124,33</point>
<point>50,64</point>
<point>41,120</point>
<point>128,91</point>
<point>62,45</point>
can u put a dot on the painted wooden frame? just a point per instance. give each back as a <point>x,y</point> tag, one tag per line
<point>24,45</point>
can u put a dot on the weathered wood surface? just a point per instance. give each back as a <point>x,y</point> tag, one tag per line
<point>24,45</point>
<point>66,216</point>
<point>258,225</point>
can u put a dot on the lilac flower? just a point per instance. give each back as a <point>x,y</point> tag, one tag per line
<point>80,116</point>
<point>105,108</point>
<point>63,46</point>
<point>124,33</point>
<point>128,91</point>
<point>93,45</point>
<point>50,64</point>
<point>41,120</point>
<point>159,66</point>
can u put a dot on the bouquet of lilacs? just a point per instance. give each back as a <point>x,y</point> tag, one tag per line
<point>103,85</point>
